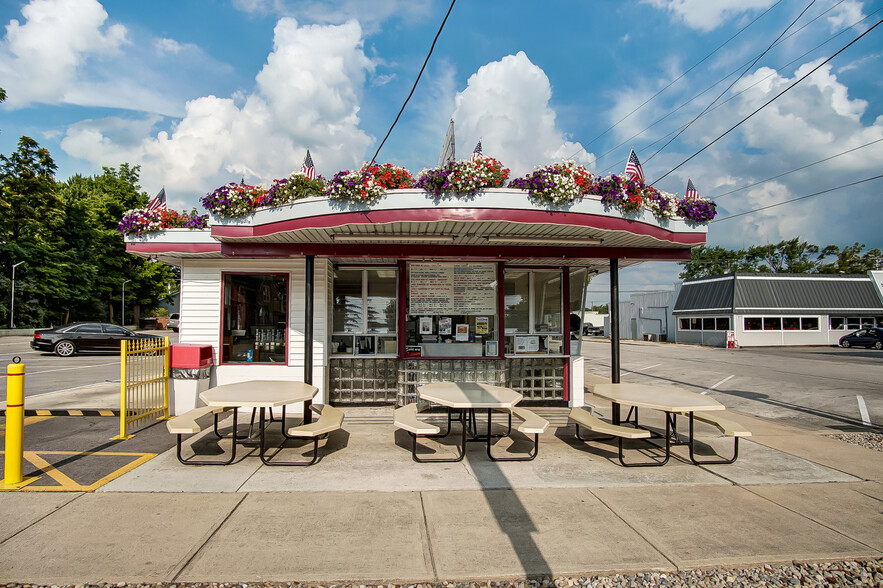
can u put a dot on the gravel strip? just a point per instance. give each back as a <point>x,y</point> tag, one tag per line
<point>869,440</point>
<point>839,573</point>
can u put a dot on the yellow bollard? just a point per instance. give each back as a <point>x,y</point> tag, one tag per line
<point>15,424</point>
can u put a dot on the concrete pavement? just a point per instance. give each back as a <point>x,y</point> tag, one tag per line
<point>367,513</point>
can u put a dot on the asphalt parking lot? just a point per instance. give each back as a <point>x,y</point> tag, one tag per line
<point>817,388</point>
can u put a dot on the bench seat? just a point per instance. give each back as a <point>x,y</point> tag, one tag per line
<point>724,425</point>
<point>532,423</point>
<point>330,420</point>
<point>405,417</point>
<point>185,424</point>
<point>585,419</point>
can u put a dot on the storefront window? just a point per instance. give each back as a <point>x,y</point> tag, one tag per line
<point>723,323</point>
<point>791,323</point>
<point>772,323</point>
<point>255,318</point>
<point>517,301</point>
<point>753,323</point>
<point>363,317</point>
<point>534,298</point>
<point>810,323</point>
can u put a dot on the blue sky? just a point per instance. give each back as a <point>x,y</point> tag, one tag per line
<point>203,93</point>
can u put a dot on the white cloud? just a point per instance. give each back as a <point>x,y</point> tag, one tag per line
<point>39,58</point>
<point>307,94</point>
<point>707,15</point>
<point>340,11</point>
<point>506,104</point>
<point>845,15</point>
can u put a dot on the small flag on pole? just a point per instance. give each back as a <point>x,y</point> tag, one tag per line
<point>308,168</point>
<point>691,190</point>
<point>159,201</point>
<point>633,168</point>
<point>476,153</point>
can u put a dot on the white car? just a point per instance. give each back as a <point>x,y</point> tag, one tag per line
<point>173,322</point>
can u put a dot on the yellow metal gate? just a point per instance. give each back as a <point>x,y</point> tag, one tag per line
<point>144,384</point>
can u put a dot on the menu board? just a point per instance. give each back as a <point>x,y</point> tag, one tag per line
<point>453,288</point>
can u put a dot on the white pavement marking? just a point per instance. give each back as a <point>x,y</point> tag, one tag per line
<point>863,409</point>
<point>74,388</point>
<point>79,367</point>
<point>710,388</point>
<point>625,373</point>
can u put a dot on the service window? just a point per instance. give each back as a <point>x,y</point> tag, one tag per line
<point>363,311</point>
<point>708,324</point>
<point>722,323</point>
<point>255,318</point>
<point>684,324</point>
<point>533,302</point>
<point>451,310</point>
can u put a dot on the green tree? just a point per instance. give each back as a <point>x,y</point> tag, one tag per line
<point>713,261</point>
<point>30,210</point>
<point>850,259</point>
<point>793,257</point>
<point>101,201</point>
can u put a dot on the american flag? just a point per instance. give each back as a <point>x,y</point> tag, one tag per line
<point>476,153</point>
<point>691,190</point>
<point>633,168</point>
<point>308,168</point>
<point>159,201</point>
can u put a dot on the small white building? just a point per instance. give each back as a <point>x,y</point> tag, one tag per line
<point>776,309</point>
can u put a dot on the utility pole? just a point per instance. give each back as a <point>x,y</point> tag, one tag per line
<point>12,301</point>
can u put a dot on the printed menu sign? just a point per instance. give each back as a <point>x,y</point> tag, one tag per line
<point>453,288</point>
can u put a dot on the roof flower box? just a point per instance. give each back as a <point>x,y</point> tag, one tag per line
<point>555,186</point>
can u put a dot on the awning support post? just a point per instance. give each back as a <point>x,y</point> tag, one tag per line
<point>614,320</point>
<point>309,279</point>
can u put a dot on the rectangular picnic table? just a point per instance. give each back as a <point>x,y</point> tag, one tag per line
<point>668,399</point>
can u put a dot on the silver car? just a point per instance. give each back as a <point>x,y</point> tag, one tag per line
<point>173,322</point>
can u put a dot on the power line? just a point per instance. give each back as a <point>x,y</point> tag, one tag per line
<point>414,87</point>
<point>671,83</point>
<point>718,197</point>
<point>776,97</point>
<point>796,199</point>
<point>736,95</point>
<point>727,89</point>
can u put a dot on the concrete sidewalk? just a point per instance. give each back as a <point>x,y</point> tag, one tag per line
<point>367,513</point>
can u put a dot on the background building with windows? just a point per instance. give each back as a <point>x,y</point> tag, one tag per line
<point>776,309</point>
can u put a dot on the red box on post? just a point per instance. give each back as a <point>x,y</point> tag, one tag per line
<point>191,356</point>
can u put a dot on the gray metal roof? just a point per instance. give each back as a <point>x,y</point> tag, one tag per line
<point>779,293</point>
<point>706,295</point>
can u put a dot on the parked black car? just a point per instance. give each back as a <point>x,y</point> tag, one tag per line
<point>70,339</point>
<point>863,338</point>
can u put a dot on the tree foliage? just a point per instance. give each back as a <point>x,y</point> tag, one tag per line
<point>65,232</point>
<point>793,256</point>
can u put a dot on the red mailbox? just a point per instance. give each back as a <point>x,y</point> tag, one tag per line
<point>191,356</point>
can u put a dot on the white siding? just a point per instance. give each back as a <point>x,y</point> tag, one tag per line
<point>201,293</point>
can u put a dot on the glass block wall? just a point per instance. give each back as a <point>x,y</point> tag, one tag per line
<point>393,381</point>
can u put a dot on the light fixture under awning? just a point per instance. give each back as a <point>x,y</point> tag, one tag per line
<point>541,241</point>
<point>349,238</point>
